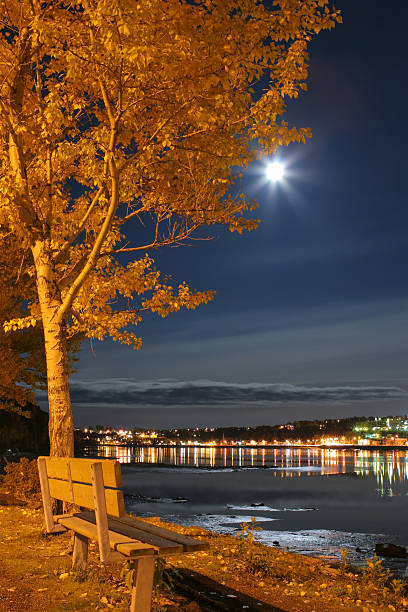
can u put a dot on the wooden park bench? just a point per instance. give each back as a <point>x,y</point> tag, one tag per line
<point>96,486</point>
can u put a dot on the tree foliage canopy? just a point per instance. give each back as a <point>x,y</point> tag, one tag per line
<point>121,124</point>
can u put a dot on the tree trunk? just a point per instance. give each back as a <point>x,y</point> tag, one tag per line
<point>60,425</point>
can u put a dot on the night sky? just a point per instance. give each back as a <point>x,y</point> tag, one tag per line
<point>310,316</point>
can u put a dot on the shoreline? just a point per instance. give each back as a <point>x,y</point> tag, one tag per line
<point>233,574</point>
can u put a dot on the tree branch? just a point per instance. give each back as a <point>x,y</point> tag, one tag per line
<point>94,254</point>
<point>110,165</point>
<point>153,136</point>
<point>12,116</point>
<point>61,254</point>
<point>175,239</point>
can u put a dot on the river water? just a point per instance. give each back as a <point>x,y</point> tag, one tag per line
<point>314,501</point>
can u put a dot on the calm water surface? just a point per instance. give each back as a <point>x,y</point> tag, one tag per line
<point>314,501</point>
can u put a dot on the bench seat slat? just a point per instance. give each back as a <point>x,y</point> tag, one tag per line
<point>189,544</point>
<point>118,542</point>
<point>164,545</point>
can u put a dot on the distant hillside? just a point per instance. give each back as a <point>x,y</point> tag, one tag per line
<point>369,429</point>
<point>303,430</point>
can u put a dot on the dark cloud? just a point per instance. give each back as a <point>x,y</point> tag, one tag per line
<point>335,344</point>
<point>206,392</point>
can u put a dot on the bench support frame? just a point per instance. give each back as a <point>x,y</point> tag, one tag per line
<point>50,524</point>
<point>100,512</point>
<point>80,551</point>
<point>142,589</point>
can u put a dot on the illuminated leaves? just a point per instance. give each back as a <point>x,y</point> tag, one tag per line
<point>126,126</point>
<point>19,323</point>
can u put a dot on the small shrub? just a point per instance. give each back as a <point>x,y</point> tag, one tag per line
<point>21,480</point>
<point>250,551</point>
<point>345,565</point>
<point>374,572</point>
<point>246,538</point>
<point>262,561</point>
<point>387,588</point>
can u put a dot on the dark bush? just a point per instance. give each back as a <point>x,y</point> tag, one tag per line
<point>21,480</point>
<point>25,429</point>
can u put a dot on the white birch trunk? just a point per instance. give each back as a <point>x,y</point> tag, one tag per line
<point>61,427</point>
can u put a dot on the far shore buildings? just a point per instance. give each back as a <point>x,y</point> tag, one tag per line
<point>121,437</point>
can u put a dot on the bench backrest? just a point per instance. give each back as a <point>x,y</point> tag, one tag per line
<point>79,482</point>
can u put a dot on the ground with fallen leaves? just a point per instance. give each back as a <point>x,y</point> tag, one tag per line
<point>36,575</point>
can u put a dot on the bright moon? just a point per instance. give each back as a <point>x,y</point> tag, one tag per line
<point>275,171</point>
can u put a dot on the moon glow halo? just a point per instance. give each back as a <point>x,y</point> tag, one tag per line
<point>275,171</point>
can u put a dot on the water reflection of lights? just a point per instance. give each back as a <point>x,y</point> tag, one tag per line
<point>388,467</point>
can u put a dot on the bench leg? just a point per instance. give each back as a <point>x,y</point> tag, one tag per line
<point>80,552</point>
<point>142,590</point>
